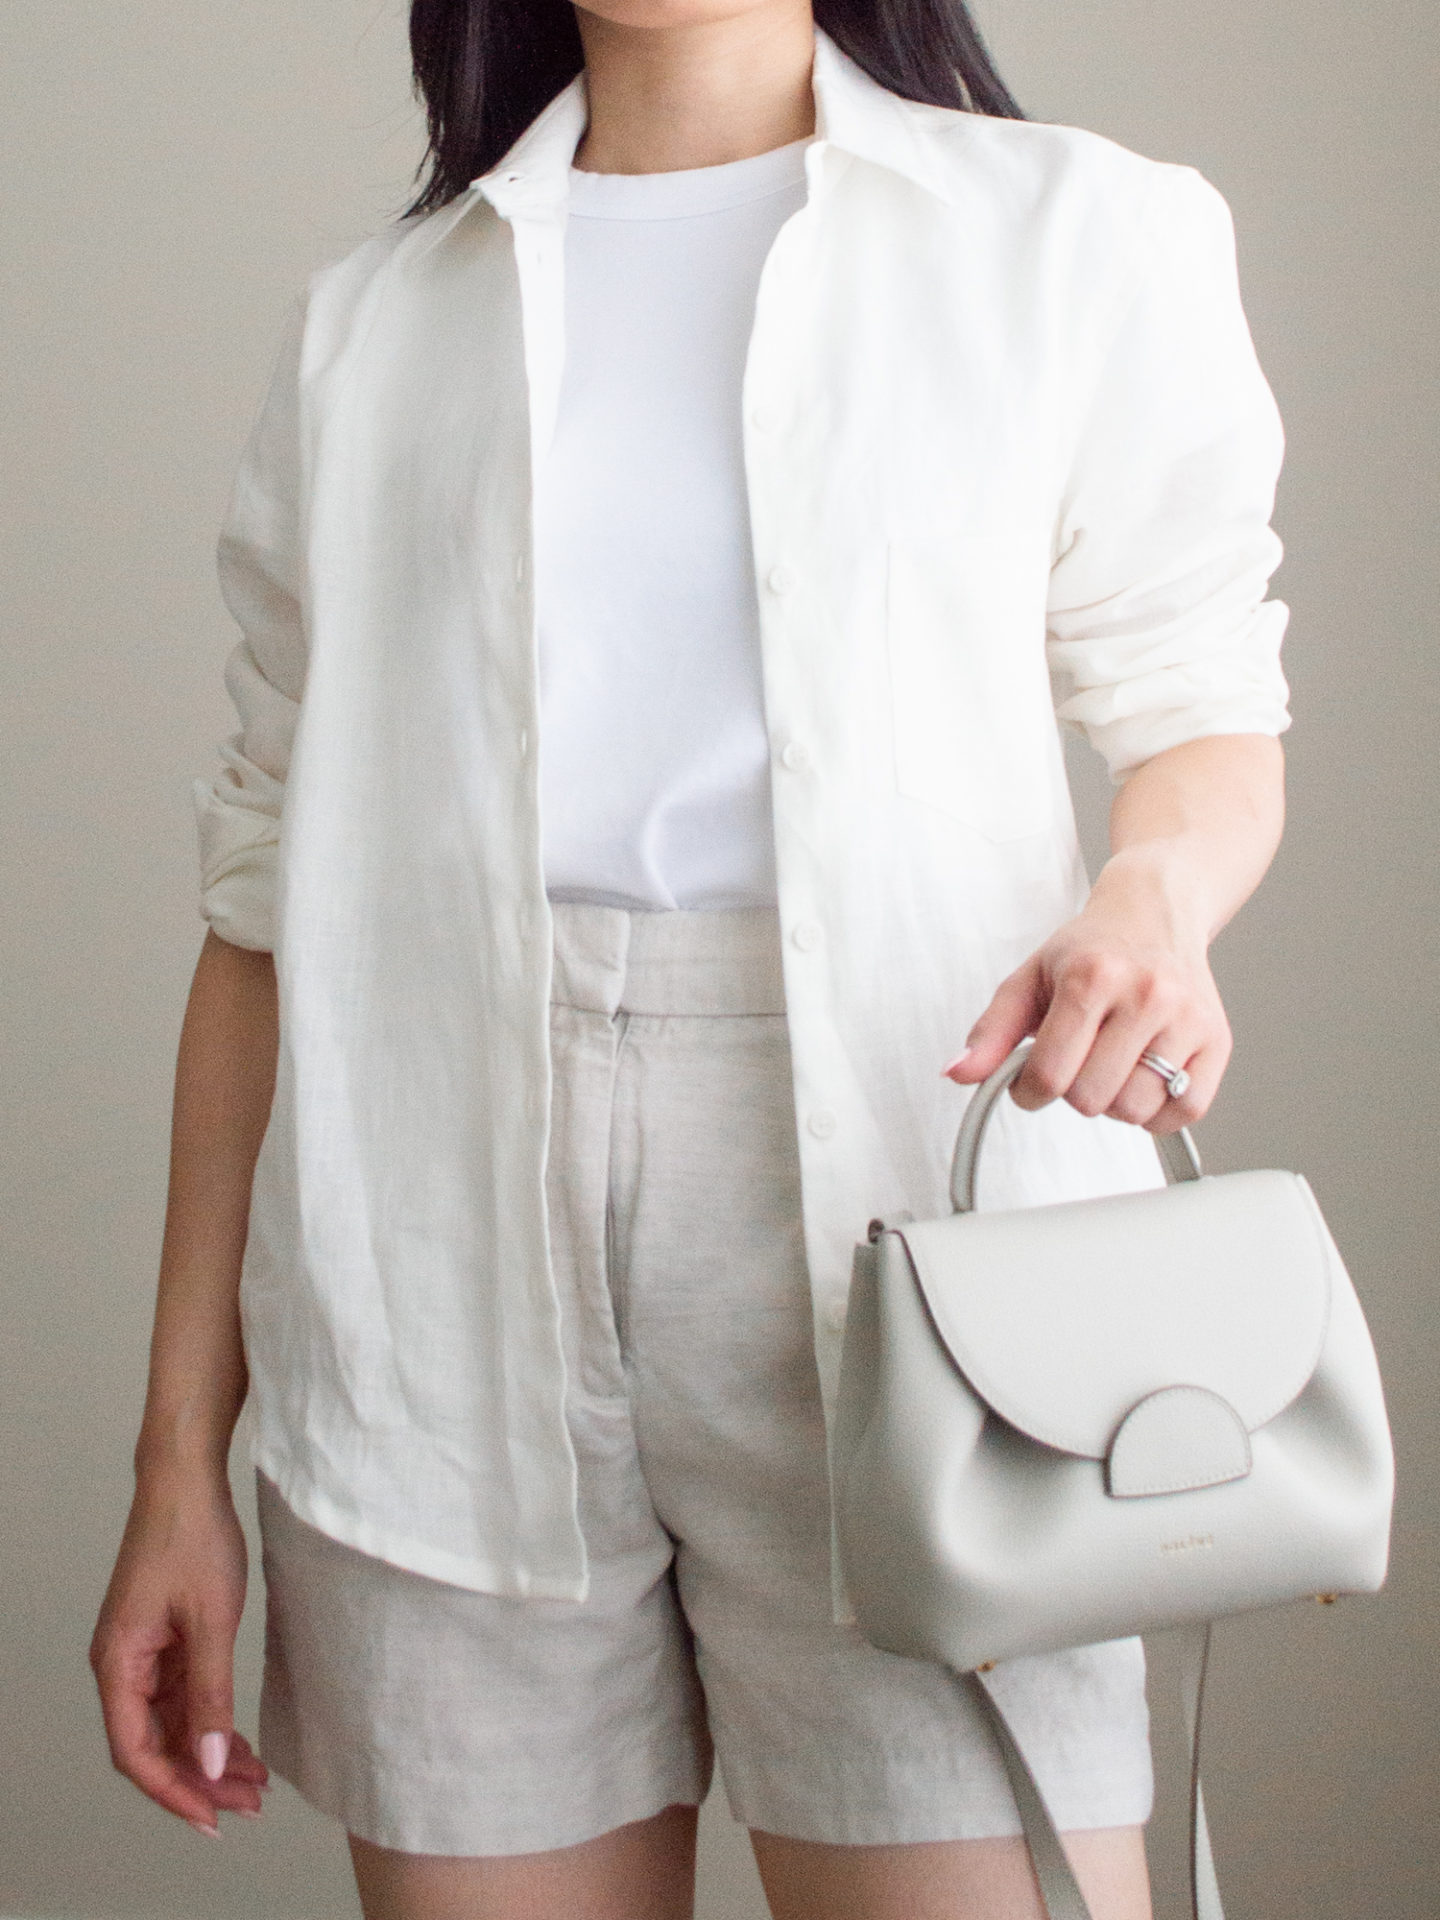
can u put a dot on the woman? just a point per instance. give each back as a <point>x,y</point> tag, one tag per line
<point>757,409</point>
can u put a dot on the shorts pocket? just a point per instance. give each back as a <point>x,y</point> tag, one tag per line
<point>973,722</point>
<point>577,1200</point>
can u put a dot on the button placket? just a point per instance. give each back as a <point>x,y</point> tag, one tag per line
<point>783,639</point>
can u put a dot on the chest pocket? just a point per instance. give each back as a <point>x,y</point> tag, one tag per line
<point>973,722</point>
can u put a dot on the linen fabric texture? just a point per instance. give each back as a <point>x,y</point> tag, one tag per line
<point>434,1719</point>
<point>1010,462</point>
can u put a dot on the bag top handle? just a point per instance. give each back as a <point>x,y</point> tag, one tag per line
<point>1178,1153</point>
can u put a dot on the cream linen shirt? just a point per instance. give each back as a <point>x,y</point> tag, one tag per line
<point>1010,463</point>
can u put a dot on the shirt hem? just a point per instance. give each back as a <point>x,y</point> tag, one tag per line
<point>314,1506</point>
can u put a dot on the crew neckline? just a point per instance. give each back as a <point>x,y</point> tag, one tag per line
<point>686,190</point>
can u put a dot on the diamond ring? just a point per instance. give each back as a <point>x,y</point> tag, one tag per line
<point>1176,1078</point>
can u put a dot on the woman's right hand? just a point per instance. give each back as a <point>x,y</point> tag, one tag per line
<point>163,1652</point>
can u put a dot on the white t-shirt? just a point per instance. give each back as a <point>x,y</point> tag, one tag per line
<point>654,759</point>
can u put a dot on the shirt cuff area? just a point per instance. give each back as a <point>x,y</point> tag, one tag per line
<point>1237,689</point>
<point>239,849</point>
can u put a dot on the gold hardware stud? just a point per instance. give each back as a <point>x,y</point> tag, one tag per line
<point>1327,1599</point>
<point>986,1666</point>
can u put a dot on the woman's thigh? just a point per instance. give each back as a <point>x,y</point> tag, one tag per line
<point>642,1871</point>
<point>645,1871</point>
<point>948,1879</point>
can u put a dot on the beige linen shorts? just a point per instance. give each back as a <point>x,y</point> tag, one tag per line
<point>433,1719</point>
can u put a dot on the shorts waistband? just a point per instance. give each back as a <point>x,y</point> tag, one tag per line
<point>669,961</point>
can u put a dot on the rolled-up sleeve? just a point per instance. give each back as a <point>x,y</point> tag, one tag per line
<point>238,809</point>
<point>1159,628</point>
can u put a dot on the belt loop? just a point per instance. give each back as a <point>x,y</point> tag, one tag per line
<point>704,962</point>
<point>591,944</point>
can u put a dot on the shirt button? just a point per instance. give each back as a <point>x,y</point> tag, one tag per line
<point>806,935</point>
<point>821,1123</point>
<point>795,755</point>
<point>781,578</point>
<point>522,741</point>
<point>762,419</point>
<point>835,1313</point>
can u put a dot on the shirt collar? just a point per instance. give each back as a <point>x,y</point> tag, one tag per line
<point>853,113</point>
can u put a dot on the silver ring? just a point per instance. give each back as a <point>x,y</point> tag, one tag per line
<point>1176,1078</point>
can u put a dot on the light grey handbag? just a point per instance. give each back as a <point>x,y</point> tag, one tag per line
<point>1071,1423</point>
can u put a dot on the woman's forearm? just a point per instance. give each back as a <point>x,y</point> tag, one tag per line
<point>1195,829</point>
<point>224,1084</point>
<point>1192,832</point>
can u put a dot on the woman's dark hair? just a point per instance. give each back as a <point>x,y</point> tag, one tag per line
<point>485,68</point>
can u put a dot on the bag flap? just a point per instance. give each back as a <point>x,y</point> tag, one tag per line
<point>1063,1317</point>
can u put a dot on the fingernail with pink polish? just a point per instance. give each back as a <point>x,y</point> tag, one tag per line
<point>214,1752</point>
<point>958,1061</point>
<point>212,1833</point>
<point>248,1813</point>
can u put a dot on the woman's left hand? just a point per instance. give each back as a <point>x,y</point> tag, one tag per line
<point>1119,980</point>
<point>1194,830</point>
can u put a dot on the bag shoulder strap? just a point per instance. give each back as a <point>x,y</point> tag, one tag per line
<point>1059,1889</point>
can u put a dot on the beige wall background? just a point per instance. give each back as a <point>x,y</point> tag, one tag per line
<point>171,172</point>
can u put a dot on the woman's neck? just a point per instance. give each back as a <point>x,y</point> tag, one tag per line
<point>696,93</point>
